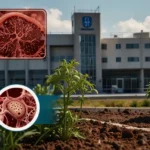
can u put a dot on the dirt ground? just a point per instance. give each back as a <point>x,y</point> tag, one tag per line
<point>103,136</point>
<point>136,118</point>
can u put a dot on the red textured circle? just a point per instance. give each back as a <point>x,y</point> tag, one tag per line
<point>19,111</point>
<point>22,35</point>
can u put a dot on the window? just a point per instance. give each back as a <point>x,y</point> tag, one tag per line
<point>132,46</point>
<point>147,45</point>
<point>133,59</point>
<point>88,55</point>
<point>118,46</point>
<point>104,60</point>
<point>60,58</point>
<point>69,58</point>
<point>36,77</point>
<point>104,46</point>
<point>16,77</point>
<point>118,59</point>
<point>147,58</point>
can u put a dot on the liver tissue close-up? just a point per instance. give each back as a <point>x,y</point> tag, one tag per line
<point>22,34</point>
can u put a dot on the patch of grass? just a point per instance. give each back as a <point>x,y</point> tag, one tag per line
<point>134,103</point>
<point>114,103</point>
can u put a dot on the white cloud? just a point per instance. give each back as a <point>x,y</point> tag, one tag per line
<point>55,23</point>
<point>133,25</point>
<point>27,7</point>
<point>104,30</point>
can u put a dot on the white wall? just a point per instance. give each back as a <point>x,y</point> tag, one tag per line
<point>111,53</point>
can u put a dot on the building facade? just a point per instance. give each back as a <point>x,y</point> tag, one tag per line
<point>114,64</point>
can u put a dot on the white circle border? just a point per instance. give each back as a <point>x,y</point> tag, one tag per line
<point>37,107</point>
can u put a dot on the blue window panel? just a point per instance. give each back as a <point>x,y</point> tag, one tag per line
<point>88,57</point>
<point>133,59</point>
<point>118,46</point>
<point>118,59</point>
<point>147,46</point>
<point>132,46</point>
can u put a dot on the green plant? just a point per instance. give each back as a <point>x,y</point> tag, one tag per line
<point>42,90</point>
<point>146,103</point>
<point>148,91</point>
<point>134,103</point>
<point>10,140</point>
<point>85,87</point>
<point>66,80</point>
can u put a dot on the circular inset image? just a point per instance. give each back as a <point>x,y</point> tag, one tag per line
<point>19,107</point>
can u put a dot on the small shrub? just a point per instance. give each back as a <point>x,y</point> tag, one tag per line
<point>146,103</point>
<point>134,104</point>
<point>120,104</point>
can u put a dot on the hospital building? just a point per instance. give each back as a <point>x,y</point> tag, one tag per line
<point>114,62</point>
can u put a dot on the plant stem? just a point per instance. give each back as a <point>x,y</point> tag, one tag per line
<point>67,128</point>
<point>11,140</point>
<point>64,118</point>
<point>82,99</point>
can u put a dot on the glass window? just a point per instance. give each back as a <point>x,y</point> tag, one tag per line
<point>147,59</point>
<point>104,60</point>
<point>56,58</point>
<point>86,49</point>
<point>86,38</point>
<point>132,46</point>
<point>136,46</point>
<point>52,58</point>
<point>147,45</point>
<point>94,50</point>
<point>16,77</point>
<point>69,58</point>
<point>2,79</point>
<point>36,77</point>
<point>133,59</point>
<point>88,55</point>
<point>118,46</point>
<point>104,46</point>
<point>62,57</point>
<point>118,59</point>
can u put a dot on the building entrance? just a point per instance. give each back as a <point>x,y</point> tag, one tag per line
<point>120,85</point>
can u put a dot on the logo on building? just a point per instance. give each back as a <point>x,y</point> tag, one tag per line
<point>87,21</point>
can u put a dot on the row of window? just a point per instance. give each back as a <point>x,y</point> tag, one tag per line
<point>59,58</point>
<point>128,46</point>
<point>130,59</point>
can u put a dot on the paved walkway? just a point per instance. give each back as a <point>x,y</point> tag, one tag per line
<point>122,95</point>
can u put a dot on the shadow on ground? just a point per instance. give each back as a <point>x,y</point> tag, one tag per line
<point>141,119</point>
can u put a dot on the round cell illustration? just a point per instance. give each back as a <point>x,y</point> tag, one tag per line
<point>22,34</point>
<point>19,107</point>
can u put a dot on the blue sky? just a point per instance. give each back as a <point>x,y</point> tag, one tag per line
<point>117,15</point>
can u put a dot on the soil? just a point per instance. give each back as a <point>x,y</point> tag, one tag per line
<point>103,136</point>
<point>136,118</point>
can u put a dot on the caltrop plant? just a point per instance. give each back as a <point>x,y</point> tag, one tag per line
<point>66,80</point>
